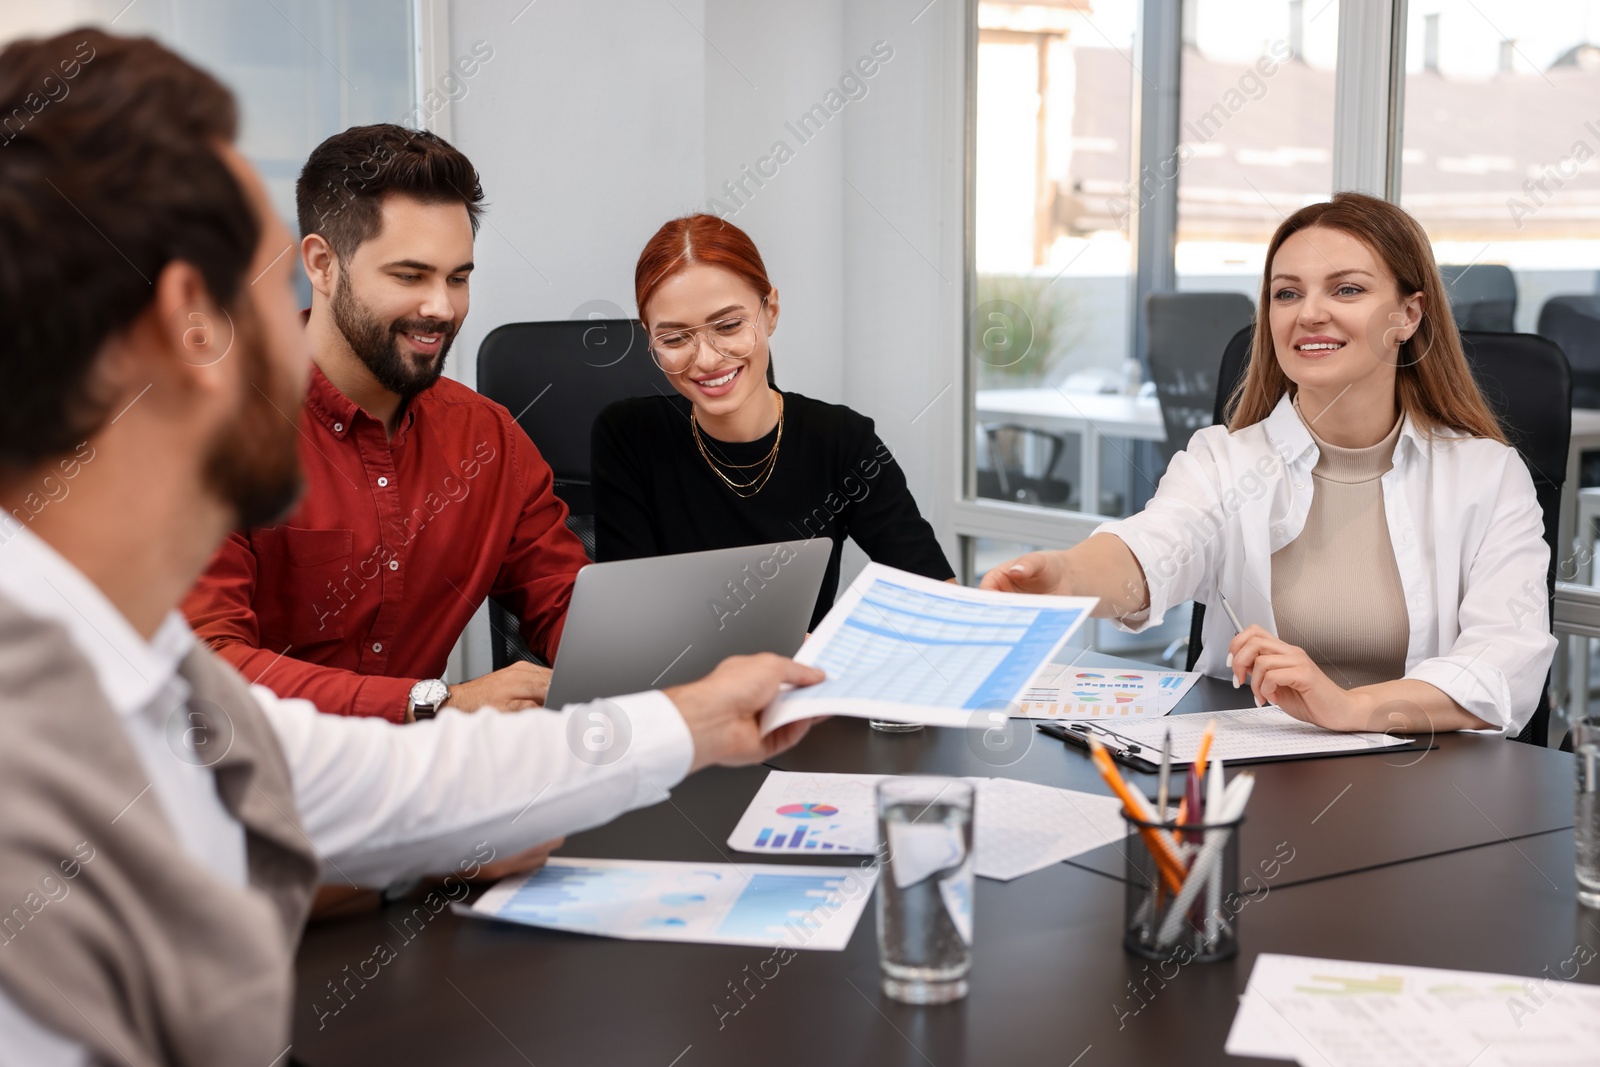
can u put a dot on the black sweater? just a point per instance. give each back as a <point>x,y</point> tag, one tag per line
<point>654,494</point>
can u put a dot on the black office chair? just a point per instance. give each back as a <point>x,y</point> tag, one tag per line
<point>1009,474</point>
<point>556,377</point>
<point>1573,323</point>
<point>1186,331</point>
<point>1483,296</point>
<point>1525,381</point>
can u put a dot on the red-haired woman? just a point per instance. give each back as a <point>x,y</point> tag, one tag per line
<point>730,460</point>
<point>1361,511</point>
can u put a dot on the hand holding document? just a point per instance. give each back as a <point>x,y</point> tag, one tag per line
<point>902,647</point>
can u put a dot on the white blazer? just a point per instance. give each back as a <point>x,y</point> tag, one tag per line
<point>1466,527</point>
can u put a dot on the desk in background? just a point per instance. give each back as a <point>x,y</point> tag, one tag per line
<point>1461,859</point>
<point>1090,416</point>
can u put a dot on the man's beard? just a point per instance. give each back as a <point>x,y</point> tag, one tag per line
<point>377,343</point>
<point>254,463</point>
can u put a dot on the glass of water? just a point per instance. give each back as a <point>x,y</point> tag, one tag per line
<point>925,888</point>
<point>889,726</point>
<point>1586,745</point>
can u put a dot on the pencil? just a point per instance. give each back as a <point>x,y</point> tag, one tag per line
<point>1167,861</point>
<point>1200,755</point>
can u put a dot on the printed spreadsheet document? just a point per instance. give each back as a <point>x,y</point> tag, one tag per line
<point>902,647</point>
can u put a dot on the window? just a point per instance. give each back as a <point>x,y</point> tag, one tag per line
<point>1501,159</point>
<point>302,69</point>
<point>1051,323</point>
<point>1255,132</point>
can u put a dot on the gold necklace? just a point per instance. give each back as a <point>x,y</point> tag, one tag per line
<point>767,463</point>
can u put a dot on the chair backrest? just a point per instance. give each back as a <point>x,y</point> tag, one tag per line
<point>1483,296</point>
<point>1573,323</point>
<point>556,377</point>
<point>1525,381</point>
<point>1185,331</point>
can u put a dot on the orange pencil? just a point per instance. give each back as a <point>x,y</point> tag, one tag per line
<point>1167,861</point>
<point>1200,755</point>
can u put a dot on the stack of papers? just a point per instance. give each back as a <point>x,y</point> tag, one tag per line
<point>1071,691</point>
<point>707,903</point>
<point>898,646</point>
<point>1332,1013</point>
<point>1019,826</point>
<point>1246,734</point>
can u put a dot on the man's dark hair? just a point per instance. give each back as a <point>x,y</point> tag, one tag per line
<point>109,171</point>
<point>340,192</point>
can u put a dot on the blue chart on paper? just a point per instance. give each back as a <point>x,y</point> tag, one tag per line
<point>771,900</point>
<point>575,896</point>
<point>678,901</point>
<point>912,647</point>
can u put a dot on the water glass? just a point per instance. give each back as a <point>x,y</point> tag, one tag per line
<point>925,888</point>
<point>889,726</point>
<point>1586,746</point>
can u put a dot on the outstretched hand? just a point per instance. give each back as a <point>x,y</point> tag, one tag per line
<point>723,709</point>
<point>1036,572</point>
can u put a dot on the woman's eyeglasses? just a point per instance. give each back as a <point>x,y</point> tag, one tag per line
<point>733,337</point>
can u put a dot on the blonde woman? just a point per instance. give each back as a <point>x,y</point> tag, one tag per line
<point>1361,511</point>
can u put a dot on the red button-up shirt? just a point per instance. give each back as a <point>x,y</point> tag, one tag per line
<point>365,588</point>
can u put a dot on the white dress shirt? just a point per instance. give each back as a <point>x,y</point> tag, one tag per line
<point>1467,531</point>
<point>379,802</point>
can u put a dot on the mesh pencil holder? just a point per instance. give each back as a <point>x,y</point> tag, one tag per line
<point>1182,890</point>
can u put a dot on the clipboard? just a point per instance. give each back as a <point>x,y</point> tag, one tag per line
<point>1131,753</point>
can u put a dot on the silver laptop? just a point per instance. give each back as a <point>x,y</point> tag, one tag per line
<point>642,624</point>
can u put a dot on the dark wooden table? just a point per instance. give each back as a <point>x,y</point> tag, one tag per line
<point>1457,857</point>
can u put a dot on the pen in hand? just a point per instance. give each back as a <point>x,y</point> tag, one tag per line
<point>1238,628</point>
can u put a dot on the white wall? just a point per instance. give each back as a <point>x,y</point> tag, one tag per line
<point>593,124</point>
<point>588,129</point>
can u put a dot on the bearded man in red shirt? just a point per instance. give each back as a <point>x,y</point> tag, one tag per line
<point>423,497</point>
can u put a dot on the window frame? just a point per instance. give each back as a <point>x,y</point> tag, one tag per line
<point>1368,116</point>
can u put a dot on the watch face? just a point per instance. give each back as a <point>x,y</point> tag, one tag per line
<point>431,692</point>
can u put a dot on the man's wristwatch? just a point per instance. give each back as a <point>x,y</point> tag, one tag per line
<point>427,697</point>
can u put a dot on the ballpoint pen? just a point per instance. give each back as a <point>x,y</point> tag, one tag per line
<point>1238,628</point>
<point>1163,786</point>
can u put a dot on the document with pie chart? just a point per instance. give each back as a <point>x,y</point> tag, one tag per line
<point>1019,827</point>
<point>1072,691</point>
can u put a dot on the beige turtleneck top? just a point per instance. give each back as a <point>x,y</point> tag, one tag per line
<point>1336,588</point>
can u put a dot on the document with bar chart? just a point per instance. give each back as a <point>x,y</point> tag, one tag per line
<point>705,903</point>
<point>810,813</point>
<point>1073,691</point>
<point>1019,827</point>
<point>899,646</point>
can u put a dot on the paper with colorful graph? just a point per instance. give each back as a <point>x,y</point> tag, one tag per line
<point>1018,827</point>
<point>1070,691</point>
<point>1339,1013</point>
